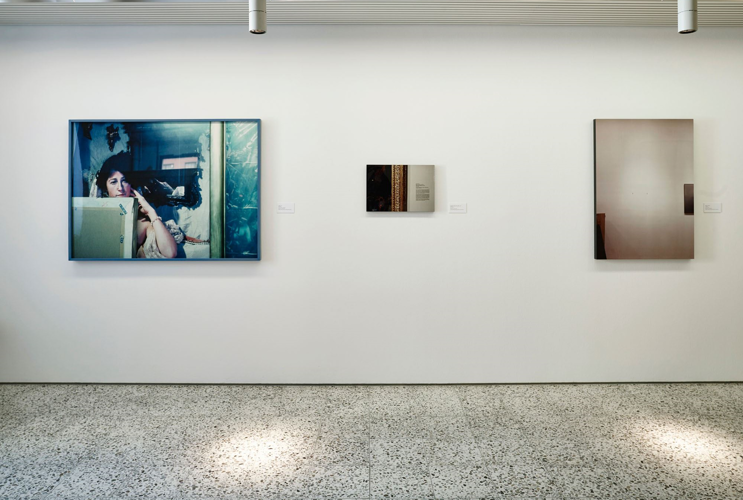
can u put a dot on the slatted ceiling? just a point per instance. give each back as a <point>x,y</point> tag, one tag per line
<point>494,12</point>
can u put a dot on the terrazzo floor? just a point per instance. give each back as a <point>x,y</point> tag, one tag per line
<point>371,442</point>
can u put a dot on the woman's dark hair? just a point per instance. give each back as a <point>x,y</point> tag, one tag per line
<point>121,162</point>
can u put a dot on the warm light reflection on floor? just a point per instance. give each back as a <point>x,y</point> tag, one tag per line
<point>674,441</point>
<point>257,451</point>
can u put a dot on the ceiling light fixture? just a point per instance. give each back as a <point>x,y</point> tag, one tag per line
<point>257,16</point>
<point>687,16</point>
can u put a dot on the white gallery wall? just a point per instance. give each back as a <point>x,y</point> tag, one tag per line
<point>509,292</point>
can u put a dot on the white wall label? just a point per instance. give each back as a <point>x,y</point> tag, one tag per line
<point>712,208</point>
<point>457,208</point>
<point>286,208</point>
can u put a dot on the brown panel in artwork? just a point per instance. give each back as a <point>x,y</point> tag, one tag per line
<point>600,251</point>
<point>688,199</point>
<point>378,188</point>
<point>601,221</point>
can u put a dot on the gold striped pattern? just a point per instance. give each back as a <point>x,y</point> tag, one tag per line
<point>398,188</point>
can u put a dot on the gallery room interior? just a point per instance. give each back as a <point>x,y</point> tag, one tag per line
<point>357,250</point>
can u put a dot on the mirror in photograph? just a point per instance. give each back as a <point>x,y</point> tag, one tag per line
<point>644,189</point>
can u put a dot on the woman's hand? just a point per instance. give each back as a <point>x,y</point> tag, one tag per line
<point>165,242</point>
<point>144,205</point>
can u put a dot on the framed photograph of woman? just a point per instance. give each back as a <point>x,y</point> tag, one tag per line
<point>165,189</point>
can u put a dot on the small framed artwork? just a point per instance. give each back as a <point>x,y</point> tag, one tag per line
<point>644,189</point>
<point>400,188</point>
<point>164,189</point>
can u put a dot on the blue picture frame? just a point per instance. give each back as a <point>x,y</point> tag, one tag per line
<point>209,202</point>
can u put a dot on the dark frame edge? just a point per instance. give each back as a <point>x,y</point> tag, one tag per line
<point>595,229</point>
<point>69,190</point>
<point>260,186</point>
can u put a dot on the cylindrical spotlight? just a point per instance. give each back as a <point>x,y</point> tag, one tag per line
<point>257,16</point>
<point>687,16</point>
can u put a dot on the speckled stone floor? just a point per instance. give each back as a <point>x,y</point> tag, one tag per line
<point>371,442</point>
